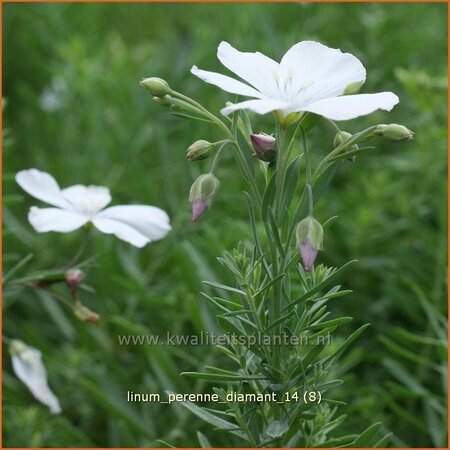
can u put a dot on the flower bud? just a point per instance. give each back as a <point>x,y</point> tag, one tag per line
<point>163,101</point>
<point>85,314</point>
<point>74,277</point>
<point>309,241</point>
<point>340,138</point>
<point>199,150</point>
<point>157,86</point>
<point>203,190</point>
<point>394,132</point>
<point>265,146</point>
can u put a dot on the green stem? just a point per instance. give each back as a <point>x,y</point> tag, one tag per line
<point>217,155</point>
<point>279,174</point>
<point>205,113</point>
<point>310,199</point>
<point>79,253</point>
<point>308,168</point>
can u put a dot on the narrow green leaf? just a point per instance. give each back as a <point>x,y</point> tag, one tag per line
<point>17,267</point>
<point>267,198</point>
<point>350,153</point>
<point>364,440</point>
<point>222,378</point>
<point>337,442</point>
<point>203,440</point>
<point>290,182</point>
<point>188,116</point>
<point>329,323</point>
<point>218,422</point>
<point>382,443</point>
<point>223,287</point>
<point>347,342</point>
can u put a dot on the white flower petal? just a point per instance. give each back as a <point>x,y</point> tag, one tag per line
<point>42,186</point>
<point>28,367</point>
<point>351,106</point>
<point>255,68</point>
<point>55,219</point>
<point>226,83</point>
<point>262,106</point>
<point>121,230</point>
<point>313,71</point>
<point>136,224</point>
<point>87,200</point>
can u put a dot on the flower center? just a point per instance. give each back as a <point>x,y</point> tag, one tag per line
<point>288,90</point>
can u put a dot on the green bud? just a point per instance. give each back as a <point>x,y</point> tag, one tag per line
<point>157,86</point>
<point>310,229</point>
<point>394,132</point>
<point>199,150</point>
<point>85,314</point>
<point>341,137</point>
<point>163,101</point>
<point>203,190</point>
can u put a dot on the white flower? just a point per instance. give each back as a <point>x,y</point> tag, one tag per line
<point>27,365</point>
<point>78,205</point>
<point>310,77</point>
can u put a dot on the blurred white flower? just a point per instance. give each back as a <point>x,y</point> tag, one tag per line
<point>310,77</point>
<point>27,365</point>
<point>78,205</point>
<point>54,96</point>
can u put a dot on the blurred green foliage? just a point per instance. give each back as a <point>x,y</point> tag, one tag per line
<point>76,110</point>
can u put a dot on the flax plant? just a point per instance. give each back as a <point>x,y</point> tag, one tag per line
<point>277,390</point>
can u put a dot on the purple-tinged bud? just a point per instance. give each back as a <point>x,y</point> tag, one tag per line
<point>198,208</point>
<point>203,190</point>
<point>74,277</point>
<point>308,254</point>
<point>265,146</point>
<point>394,132</point>
<point>309,241</point>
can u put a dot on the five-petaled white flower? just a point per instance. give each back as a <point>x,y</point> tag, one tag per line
<point>310,77</point>
<point>78,205</point>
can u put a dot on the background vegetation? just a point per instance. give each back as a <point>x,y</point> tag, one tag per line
<point>75,109</point>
